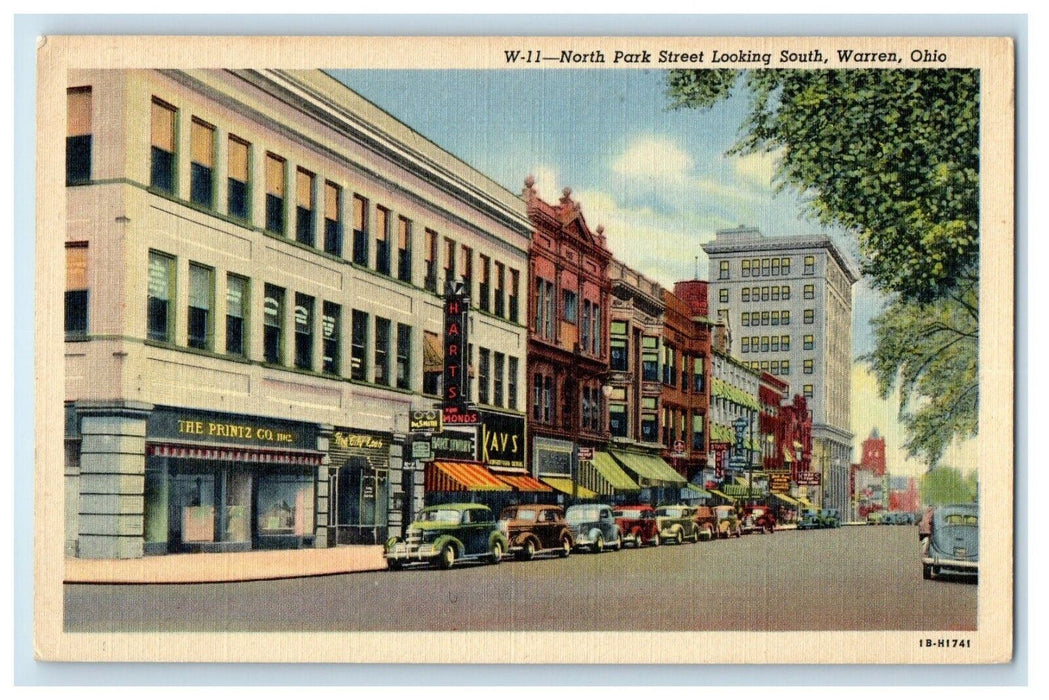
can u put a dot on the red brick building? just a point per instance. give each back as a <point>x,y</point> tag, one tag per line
<point>686,391</point>
<point>569,293</point>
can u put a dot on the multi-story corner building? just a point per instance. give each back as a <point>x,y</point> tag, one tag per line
<point>568,347</point>
<point>686,390</point>
<point>734,397</point>
<point>789,300</point>
<point>255,261</point>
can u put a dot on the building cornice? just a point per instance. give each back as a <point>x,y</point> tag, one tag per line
<point>784,243</point>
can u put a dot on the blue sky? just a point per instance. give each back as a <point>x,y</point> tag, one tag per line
<point>658,180</point>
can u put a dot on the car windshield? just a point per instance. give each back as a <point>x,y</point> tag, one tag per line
<point>578,514</point>
<point>525,514</point>
<point>669,512</point>
<point>960,519</point>
<point>724,514</point>
<point>439,516</point>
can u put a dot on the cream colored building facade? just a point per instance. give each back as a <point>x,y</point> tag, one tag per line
<point>230,387</point>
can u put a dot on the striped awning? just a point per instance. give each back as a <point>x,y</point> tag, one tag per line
<point>524,482</point>
<point>461,476</point>
<point>650,468</point>
<point>237,454</point>
<point>722,495</point>
<point>609,476</point>
<point>565,486</point>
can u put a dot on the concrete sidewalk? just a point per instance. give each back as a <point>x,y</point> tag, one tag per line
<point>215,568</point>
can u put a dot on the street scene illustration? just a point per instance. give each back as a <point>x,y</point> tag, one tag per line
<point>441,350</point>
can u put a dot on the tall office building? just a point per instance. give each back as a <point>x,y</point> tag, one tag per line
<point>789,302</point>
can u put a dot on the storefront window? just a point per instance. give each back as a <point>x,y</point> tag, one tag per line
<point>285,504</point>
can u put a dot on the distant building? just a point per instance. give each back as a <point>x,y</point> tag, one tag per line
<point>873,458</point>
<point>788,300</point>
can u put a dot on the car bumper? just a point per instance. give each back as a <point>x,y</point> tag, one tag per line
<point>402,553</point>
<point>947,565</point>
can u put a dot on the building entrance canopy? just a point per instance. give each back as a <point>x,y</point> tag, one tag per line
<point>462,476</point>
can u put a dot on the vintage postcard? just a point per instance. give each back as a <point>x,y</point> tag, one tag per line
<point>524,349</point>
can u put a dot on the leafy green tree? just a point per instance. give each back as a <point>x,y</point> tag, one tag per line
<point>893,157</point>
<point>946,485</point>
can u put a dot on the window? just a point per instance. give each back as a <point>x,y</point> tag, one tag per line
<point>775,294</point>
<point>775,267</point>
<point>359,346</point>
<point>537,397</point>
<point>273,325</point>
<point>723,296</point>
<point>332,219</point>
<point>649,424</point>
<point>201,292</point>
<point>810,265</point>
<point>764,293</point>
<point>784,265</point>
<point>433,363</point>
<point>511,383</point>
<point>549,398</point>
<point>765,366</point>
<point>404,356</point>
<point>515,284</point>
<point>775,318</point>
<point>595,331</point>
<point>698,438</point>
<point>723,272</point>
<point>765,267</point>
<point>617,420</point>
<point>745,347</point>
<point>304,198</point>
<point>404,249</point>
<point>484,372</point>
<point>774,346</point>
<point>649,359</point>
<point>161,285</point>
<point>544,295</point>
<point>497,379</point>
<point>619,351</point>
<point>808,342</point>
<point>809,291</point>
<point>765,343</point>
<point>569,305</point>
<point>807,391</point>
<point>745,318</point>
<point>382,240</point>
<point>449,260</point>
<point>784,366</point>
<point>585,327</point>
<point>775,367</point>
<point>669,365</point>
<point>784,318</point>
<point>466,255</point>
<point>810,316</point>
<point>76,290</point>
<point>785,292</point>
<point>431,261</point>
<point>698,375</point>
<point>304,331</point>
<point>360,230</point>
<point>238,187</point>
<point>236,314</point>
<point>78,135</point>
<point>765,317</point>
<point>806,367</point>
<point>500,293</point>
<point>744,294</point>
<point>276,184</point>
<point>484,290</point>
<point>382,351</point>
<point>162,151</point>
<point>784,343</point>
<point>202,165</point>
<point>745,268</point>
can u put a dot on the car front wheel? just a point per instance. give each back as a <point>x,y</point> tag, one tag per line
<point>566,546</point>
<point>599,544</point>
<point>496,555</point>
<point>619,542</point>
<point>527,551</point>
<point>447,557</point>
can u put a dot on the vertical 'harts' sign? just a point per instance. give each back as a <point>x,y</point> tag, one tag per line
<point>456,319</point>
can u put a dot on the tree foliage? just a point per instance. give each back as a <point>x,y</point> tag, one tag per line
<point>930,351</point>
<point>892,155</point>
<point>944,485</point>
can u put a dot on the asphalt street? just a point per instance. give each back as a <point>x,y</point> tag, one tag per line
<point>853,578</point>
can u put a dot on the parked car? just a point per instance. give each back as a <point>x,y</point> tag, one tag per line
<point>830,517</point>
<point>706,522</point>
<point>440,535</point>
<point>594,527</point>
<point>676,524</point>
<point>875,517</point>
<point>758,519</point>
<point>531,529</point>
<point>638,524</point>
<point>810,520</point>
<point>727,522</point>
<point>953,545</point>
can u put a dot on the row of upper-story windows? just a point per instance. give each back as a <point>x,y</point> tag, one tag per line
<point>777,367</point>
<point>765,267</point>
<point>765,318</point>
<point>380,352</point>
<point>589,323</point>
<point>774,293</point>
<point>375,227</point>
<point>765,343</point>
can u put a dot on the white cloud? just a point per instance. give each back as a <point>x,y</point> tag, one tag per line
<point>757,169</point>
<point>547,182</point>
<point>653,157</point>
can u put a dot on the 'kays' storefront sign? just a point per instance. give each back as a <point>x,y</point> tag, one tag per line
<point>456,320</point>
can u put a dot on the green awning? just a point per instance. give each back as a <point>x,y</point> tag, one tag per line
<point>565,486</point>
<point>722,495</point>
<point>697,491</point>
<point>738,490</point>
<point>650,468</point>
<point>611,472</point>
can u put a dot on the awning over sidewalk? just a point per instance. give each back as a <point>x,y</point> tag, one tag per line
<point>785,498</point>
<point>722,495</point>
<point>807,504</point>
<point>461,476</point>
<point>237,454</point>
<point>524,482</point>
<point>565,486</point>
<point>697,491</point>
<point>650,468</point>
<point>608,477</point>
